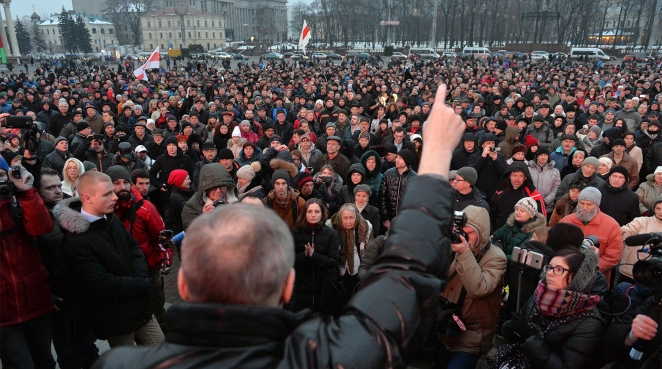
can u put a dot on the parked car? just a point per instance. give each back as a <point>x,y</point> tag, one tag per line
<point>449,55</point>
<point>637,57</point>
<point>398,56</point>
<point>362,56</point>
<point>274,56</point>
<point>497,55</point>
<point>288,54</point>
<point>318,56</point>
<point>539,55</point>
<point>240,57</point>
<point>334,56</point>
<point>220,55</point>
<point>351,54</point>
<point>298,57</point>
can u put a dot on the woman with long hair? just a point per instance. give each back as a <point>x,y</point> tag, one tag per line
<point>316,247</point>
<point>329,183</point>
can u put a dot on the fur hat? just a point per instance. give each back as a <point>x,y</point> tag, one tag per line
<point>469,174</point>
<point>529,205</point>
<point>519,148</point>
<point>591,194</point>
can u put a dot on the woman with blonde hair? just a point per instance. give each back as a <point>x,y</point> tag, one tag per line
<point>73,168</point>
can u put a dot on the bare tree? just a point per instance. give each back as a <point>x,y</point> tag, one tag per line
<point>128,13</point>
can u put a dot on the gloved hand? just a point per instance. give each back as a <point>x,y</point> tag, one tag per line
<point>57,302</point>
<point>521,328</point>
<point>25,182</point>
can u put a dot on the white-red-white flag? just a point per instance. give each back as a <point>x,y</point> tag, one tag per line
<point>305,36</point>
<point>153,62</point>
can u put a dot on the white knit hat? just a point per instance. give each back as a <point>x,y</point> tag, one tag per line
<point>529,205</point>
<point>236,132</point>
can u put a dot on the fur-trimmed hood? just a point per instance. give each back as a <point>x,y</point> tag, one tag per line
<point>286,165</point>
<point>67,212</point>
<point>538,221</point>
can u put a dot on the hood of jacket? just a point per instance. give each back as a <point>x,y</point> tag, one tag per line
<point>479,219</point>
<point>67,212</point>
<point>213,175</point>
<point>612,134</point>
<point>378,162</point>
<point>538,221</point>
<point>533,164</point>
<point>518,166</point>
<point>240,143</point>
<point>347,148</point>
<point>511,133</point>
<point>284,164</point>
<point>355,168</point>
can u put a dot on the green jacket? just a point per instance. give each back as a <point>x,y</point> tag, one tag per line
<point>211,175</point>
<point>512,235</point>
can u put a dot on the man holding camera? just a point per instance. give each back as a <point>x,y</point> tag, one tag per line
<point>144,223</point>
<point>25,325</point>
<point>474,286</point>
<point>489,163</point>
<point>215,188</point>
<point>92,150</point>
<point>237,273</point>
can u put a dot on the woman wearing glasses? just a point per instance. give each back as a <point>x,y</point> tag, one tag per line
<point>559,326</point>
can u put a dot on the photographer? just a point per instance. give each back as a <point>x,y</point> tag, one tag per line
<point>26,297</point>
<point>215,188</point>
<point>474,285</point>
<point>384,324</point>
<point>639,225</point>
<point>92,150</point>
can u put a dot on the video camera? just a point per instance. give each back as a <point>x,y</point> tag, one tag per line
<point>15,121</point>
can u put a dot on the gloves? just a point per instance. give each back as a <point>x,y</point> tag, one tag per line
<point>517,329</point>
<point>25,182</point>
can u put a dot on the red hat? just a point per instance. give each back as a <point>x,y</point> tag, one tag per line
<point>177,177</point>
<point>530,141</point>
<point>181,138</point>
<point>305,180</point>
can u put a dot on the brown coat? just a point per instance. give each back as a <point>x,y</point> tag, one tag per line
<point>483,281</point>
<point>285,211</point>
<point>630,164</point>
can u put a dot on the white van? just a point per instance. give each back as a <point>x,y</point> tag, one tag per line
<point>592,52</point>
<point>477,52</point>
<point>424,52</point>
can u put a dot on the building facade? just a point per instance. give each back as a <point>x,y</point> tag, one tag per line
<point>164,28</point>
<point>101,31</point>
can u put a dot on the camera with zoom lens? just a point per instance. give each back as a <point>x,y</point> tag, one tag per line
<point>591,241</point>
<point>15,121</point>
<point>648,269</point>
<point>7,190</point>
<point>218,202</point>
<point>495,149</point>
<point>459,221</point>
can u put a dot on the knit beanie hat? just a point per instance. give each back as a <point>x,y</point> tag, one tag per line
<point>542,151</point>
<point>280,174</point>
<point>60,138</point>
<point>236,132</point>
<point>591,161</point>
<point>620,169</point>
<point>225,153</point>
<point>116,172</point>
<point>564,234</point>
<point>81,125</point>
<point>246,173</point>
<point>469,174</point>
<point>88,165</point>
<point>606,161</point>
<point>529,205</point>
<point>177,177</point>
<point>591,194</point>
<point>303,179</point>
<point>597,130</point>
<point>619,142</point>
<point>407,156</point>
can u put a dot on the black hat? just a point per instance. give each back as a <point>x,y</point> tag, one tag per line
<point>619,141</point>
<point>334,138</point>
<point>276,138</point>
<point>171,117</point>
<point>125,149</point>
<point>620,169</point>
<point>208,146</point>
<point>280,174</point>
<point>563,235</point>
<point>391,149</point>
<point>541,151</point>
<point>501,125</point>
<point>225,153</point>
<point>538,118</point>
<point>567,136</point>
<point>407,156</point>
<point>469,137</point>
<point>121,128</point>
<point>81,125</point>
<point>116,172</point>
<point>157,132</point>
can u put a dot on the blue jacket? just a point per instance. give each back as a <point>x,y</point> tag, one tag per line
<point>560,158</point>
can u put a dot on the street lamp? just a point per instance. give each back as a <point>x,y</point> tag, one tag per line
<point>181,8</point>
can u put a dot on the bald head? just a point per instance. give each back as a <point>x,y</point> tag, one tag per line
<point>237,254</point>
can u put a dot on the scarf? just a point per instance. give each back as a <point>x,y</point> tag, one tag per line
<point>560,303</point>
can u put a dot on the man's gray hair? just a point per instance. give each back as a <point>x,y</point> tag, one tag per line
<point>237,254</point>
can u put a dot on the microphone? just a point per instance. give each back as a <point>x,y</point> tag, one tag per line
<point>640,239</point>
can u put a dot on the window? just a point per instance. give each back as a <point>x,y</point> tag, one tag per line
<point>189,35</point>
<point>212,24</point>
<point>110,31</point>
<point>150,36</point>
<point>103,31</point>
<point>206,34</point>
<point>207,45</point>
<point>198,34</point>
<point>220,34</point>
<point>48,32</point>
<point>179,34</point>
<point>95,41</point>
<point>205,23</point>
<point>94,31</point>
<point>188,22</point>
<point>151,46</point>
<point>170,34</point>
<point>160,24</point>
<point>149,24</point>
<point>162,46</point>
<point>198,22</point>
<point>213,35</point>
<point>161,35</point>
<point>168,23</point>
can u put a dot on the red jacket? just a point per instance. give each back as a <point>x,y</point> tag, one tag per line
<point>146,228</point>
<point>24,291</point>
<point>608,232</point>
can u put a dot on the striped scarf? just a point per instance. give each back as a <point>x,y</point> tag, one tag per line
<point>560,303</point>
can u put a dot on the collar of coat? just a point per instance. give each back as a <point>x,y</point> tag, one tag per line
<point>67,212</point>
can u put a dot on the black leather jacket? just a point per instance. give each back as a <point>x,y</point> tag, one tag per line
<point>391,191</point>
<point>390,314</point>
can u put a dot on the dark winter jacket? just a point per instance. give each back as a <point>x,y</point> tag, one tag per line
<point>56,160</point>
<point>461,158</point>
<point>516,234</point>
<point>504,199</point>
<point>373,178</point>
<point>476,198</point>
<point>211,175</point>
<point>489,171</point>
<point>347,190</point>
<point>178,198</point>
<point>391,191</point>
<point>135,141</point>
<point>312,271</point>
<point>619,203</point>
<point>165,164</point>
<point>110,269</point>
<point>332,199</point>
<point>83,153</point>
<point>372,252</point>
<point>564,187</point>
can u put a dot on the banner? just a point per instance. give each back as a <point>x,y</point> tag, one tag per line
<point>153,62</point>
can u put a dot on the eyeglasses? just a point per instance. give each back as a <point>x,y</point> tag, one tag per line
<point>558,270</point>
<point>460,180</point>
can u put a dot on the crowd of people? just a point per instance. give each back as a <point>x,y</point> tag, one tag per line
<point>550,153</point>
